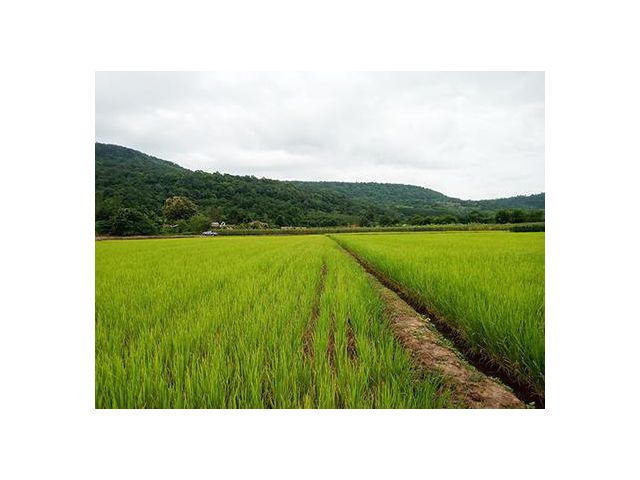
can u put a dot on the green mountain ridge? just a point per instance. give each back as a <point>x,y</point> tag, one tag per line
<point>414,199</point>
<point>126,178</point>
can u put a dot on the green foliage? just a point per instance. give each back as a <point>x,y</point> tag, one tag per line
<point>214,214</point>
<point>410,200</point>
<point>528,227</point>
<point>519,216</point>
<point>198,224</point>
<point>476,216</point>
<point>128,221</point>
<point>178,208</point>
<point>103,227</point>
<point>127,178</point>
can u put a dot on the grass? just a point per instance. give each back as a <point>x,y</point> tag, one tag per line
<point>223,323</point>
<point>487,285</point>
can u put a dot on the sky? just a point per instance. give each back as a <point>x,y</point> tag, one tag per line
<point>470,135</point>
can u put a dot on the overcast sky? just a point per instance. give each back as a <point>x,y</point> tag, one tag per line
<point>468,135</point>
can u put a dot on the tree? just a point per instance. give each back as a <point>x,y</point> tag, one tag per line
<point>198,223</point>
<point>214,213</point>
<point>518,216</point>
<point>445,219</point>
<point>386,220</point>
<point>535,216</point>
<point>512,216</point>
<point>477,217</point>
<point>129,221</point>
<point>366,219</point>
<point>503,216</point>
<point>103,227</point>
<point>126,178</point>
<point>179,208</point>
<point>417,220</point>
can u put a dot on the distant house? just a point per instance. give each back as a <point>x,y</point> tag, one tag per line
<point>218,225</point>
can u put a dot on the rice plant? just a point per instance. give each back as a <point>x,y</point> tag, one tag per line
<point>246,322</point>
<point>489,286</point>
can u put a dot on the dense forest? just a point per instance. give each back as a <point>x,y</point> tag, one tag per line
<point>410,200</point>
<point>136,193</point>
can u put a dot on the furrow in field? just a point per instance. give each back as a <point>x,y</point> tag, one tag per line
<point>352,346</point>
<point>331,345</point>
<point>307,338</point>
<point>428,341</point>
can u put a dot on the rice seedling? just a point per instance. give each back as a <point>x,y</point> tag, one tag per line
<point>489,286</point>
<point>246,322</point>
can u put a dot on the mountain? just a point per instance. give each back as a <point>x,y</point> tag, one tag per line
<point>131,179</point>
<point>412,200</point>
<point>126,178</point>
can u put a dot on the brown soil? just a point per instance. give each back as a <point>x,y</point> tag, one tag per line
<point>470,388</point>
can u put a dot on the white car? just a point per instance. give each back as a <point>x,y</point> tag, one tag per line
<point>209,233</point>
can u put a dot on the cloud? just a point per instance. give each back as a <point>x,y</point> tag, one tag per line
<point>467,134</point>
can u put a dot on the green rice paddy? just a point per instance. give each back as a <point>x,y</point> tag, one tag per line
<point>294,322</point>
<point>489,286</point>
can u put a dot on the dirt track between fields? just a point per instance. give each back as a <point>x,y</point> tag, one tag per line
<point>471,379</point>
<point>470,388</point>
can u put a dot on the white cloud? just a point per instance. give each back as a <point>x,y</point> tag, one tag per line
<point>467,134</point>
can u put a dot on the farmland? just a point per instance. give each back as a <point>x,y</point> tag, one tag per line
<point>488,286</point>
<point>295,322</point>
<point>246,322</point>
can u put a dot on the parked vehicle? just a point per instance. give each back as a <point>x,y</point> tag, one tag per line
<point>209,233</point>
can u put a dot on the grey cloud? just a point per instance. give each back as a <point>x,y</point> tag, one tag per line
<point>467,134</point>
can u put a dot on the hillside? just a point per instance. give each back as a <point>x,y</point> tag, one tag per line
<point>126,178</point>
<point>411,200</point>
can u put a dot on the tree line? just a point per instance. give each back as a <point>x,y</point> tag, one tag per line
<point>132,190</point>
<point>182,215</point>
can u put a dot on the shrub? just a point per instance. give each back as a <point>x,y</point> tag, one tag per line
<point>528,227</point>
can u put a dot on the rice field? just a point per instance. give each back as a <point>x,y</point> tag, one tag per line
<point>489,286</point>
<point>294,321</point>
<point>246,322</point>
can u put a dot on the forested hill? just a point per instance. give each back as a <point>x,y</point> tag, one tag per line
<point>128,179</point>
<point>410,199</point>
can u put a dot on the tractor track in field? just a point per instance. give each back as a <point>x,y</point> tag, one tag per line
<point>428,338</point>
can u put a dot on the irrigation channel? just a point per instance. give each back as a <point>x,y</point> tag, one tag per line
<point>476,381</point>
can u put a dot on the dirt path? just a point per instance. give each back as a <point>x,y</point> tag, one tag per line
<point>471,388</point>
